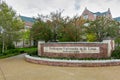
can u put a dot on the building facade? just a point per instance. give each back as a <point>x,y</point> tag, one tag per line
<point>92,16</point>
<point>26,40</point>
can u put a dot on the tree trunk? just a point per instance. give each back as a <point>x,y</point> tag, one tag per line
<point>3,46</point>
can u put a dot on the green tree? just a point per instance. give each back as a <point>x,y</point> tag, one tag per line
<point>25,36</point>
<point>78,23</point>
<point>41,31</point>
<point>47,29</point>
<point>72,29</point>
<point>67,33</point>
<point>102,28</point>
<point>56,23</point>
<point>10,25</point>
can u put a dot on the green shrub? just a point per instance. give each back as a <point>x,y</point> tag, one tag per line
<point>11,46</point>
<point>13,52</point>
<point>116,53</point>
<point>0,48</point>
<point>33,52</point>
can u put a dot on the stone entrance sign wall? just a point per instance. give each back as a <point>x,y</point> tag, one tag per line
<point>76,49</point>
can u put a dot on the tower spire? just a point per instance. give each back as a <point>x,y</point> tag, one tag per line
<point>109,10</point>
<point>85,8</point>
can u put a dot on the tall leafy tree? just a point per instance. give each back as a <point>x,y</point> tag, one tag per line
<point>47,29</point>
<point>10,25</point>
<point>78,23</point>
<point>41,31</point>
<point>103,28</point>
<point>58,28</point>
<point>56,22</point>
<point>72,29</point>
<point>25,36</point>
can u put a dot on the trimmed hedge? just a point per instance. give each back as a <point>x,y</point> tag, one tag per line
<point>32,52</point>
<point>13,52</point>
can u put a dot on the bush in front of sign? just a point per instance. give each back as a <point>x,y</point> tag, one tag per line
<point>116,53</point>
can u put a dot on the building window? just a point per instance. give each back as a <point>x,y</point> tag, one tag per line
<point>26,27</point>
<point>85,16</point>
<point>95,16</point>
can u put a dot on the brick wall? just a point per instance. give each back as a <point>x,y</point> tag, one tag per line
<point>103,47</point>
<point>92,63</point>
<point>90,14</point>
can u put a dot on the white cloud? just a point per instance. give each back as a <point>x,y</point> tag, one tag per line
<point>71,7</point>
<point>77,4</point>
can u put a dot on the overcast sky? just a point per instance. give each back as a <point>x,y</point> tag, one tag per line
<point>71,7</point>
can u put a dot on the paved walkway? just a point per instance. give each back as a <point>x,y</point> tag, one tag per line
<point>16,68</point>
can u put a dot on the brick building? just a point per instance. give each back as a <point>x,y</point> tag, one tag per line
<point>92,16</point>
<point>28,21</point>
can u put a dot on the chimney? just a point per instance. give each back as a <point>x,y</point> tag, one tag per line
<point>85,8</point>
<point>109,11</point>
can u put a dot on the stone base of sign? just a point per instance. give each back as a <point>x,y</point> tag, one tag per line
<point>73,63</point>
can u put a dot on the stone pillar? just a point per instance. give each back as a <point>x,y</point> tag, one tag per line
<point>111,46</point>
<point>39,47</point>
